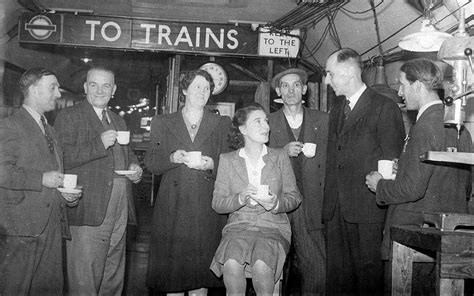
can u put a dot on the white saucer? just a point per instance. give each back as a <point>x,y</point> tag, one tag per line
<point>69,190</point>
<point>125,172</point>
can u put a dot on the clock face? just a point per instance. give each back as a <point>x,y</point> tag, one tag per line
<point>219,76</point>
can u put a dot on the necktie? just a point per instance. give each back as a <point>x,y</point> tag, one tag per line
<point>47,135</point>
<point>105,121</point>
<point>347,109</point>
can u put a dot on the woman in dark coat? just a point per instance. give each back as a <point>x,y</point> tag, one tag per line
<point>185,229</point>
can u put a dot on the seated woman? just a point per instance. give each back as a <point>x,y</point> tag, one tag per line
<point>257,235</point>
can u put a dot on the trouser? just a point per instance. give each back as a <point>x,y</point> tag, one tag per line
<point>33,265</point>
<point>354,264</point>
<point>96,254</point>
<point>307,259</point>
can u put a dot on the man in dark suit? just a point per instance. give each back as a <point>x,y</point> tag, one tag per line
<point>291,127</point>
<point>88,133</point>
<point>423,186</point>
<point>32,212</point>
<point>364,127</point>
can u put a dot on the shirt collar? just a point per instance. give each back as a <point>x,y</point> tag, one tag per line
<point>426,106</point>
<point>355,97</point>
<point>36,116</point>
<point>244,155</point>
<point>98,111</point>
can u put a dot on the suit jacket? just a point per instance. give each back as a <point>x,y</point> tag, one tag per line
<point>374,130</point>
<point>232,179</point>
<point>425,186</point>
<point>313,169</point>
<point>79,130</point>
<point>26,205</point>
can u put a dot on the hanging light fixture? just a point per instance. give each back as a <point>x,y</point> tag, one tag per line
<point>380,81</point>
<point>429,38</point>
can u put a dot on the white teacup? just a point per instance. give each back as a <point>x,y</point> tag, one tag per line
<point>385,168</point>
<point>194,158</point>
<point>262,192</point>
<point>70,181</point>
<point>309,149</point>
<point>123,137</point>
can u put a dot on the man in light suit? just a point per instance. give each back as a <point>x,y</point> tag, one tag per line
<point>423,186</point>
<point>32,212</point>
<point>291,127</point>
<point>364,127</point>
<point>88,133</point>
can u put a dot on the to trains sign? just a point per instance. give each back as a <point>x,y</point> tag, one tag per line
<point>141,34</point>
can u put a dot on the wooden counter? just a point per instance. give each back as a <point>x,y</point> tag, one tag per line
<point>453,252</point>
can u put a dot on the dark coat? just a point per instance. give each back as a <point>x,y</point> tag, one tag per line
<point>26,205</point>
<point>374,130</point>
<point>313,169</point>
<point>79,130</point>
<point>185,229</point>
<point>425,186</point>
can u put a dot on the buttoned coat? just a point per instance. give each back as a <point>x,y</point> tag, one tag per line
<point>374,130</point>
<point>313,169</point>
<point>79,129</point>
<point>422,185</point>
<point>185,229</point>
<point>232,179</point>
<point>25,204</point>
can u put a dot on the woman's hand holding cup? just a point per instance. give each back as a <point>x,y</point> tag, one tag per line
<point>179,156</point>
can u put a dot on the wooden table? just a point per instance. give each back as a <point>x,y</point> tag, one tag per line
<point>453,252</point>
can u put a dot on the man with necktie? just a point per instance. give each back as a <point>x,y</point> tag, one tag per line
<point>423,186</point>
<point>32,211</point>
<point>88,133</point>
<point>372,129</point>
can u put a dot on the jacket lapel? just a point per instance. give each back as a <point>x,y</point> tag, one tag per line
<point>238,163</point>
<point>361,107</point>
<point>208,124</point>
<point>92,117</point>
<point>279,132</point>
<point>269,168</point>
<point>177,126</point>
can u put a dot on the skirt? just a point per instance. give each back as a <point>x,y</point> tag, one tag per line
<point>246,247</point>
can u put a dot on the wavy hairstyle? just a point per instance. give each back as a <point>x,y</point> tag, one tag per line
<point>188,77</point>
<point>235,137</point>
<point>425,71</point>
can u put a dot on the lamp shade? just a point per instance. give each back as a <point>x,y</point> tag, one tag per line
<point>427,40</point>
<point>454,48</point>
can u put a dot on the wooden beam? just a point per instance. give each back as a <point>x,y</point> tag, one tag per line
<point>247,72</point>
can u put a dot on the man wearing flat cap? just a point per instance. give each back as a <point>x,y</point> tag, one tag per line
<point>290,128</point>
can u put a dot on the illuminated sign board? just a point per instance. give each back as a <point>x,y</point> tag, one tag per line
<point>141,34</point>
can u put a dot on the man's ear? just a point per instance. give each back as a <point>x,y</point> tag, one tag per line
<point>277,89</point>
<point>305,88</point>
<point>85,87</point>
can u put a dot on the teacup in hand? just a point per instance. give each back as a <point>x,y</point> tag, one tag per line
<point>70,181</point>
<point>309,149</point>
<point>194,158</point>
<point>123,137</point>
<point>385,168</point>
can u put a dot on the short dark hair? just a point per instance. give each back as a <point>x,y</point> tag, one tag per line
<point>425,71</point>
<point>31,77</point>
<point>188,77</point>
<point>347,54</point>
<point>235,137</point>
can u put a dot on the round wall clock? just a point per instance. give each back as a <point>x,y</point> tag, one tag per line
<point>218,74</point>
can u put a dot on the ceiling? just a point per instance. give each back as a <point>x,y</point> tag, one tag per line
<point>351,25</point>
